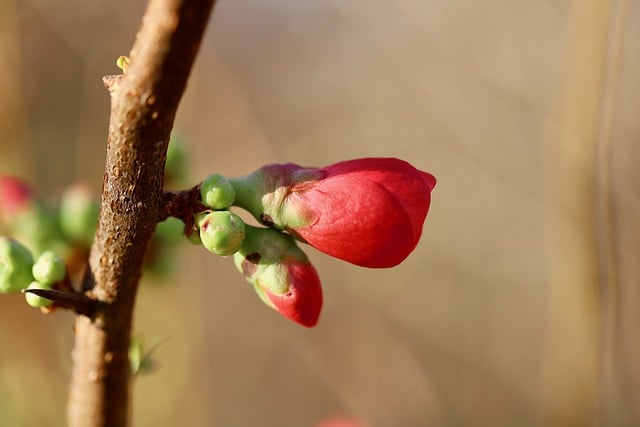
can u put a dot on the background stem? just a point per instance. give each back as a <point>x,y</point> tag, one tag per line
<point>143,107</point>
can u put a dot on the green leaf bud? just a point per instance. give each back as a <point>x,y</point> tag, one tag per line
<point>36,300</point>
<point>136,353</point>
<point>217,192</point>
<point>221,232</point>
<point>49,268</point>
<point>123,63</point>
<point>15,266</point>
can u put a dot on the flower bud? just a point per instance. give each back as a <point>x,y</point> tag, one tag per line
<point>221,232</point>
<point>35,300</point>
<point>369,212</point>
<point>78,213</point>
<point>49,268</point>
<point>15,266</point>
<point>217,192</point>
<point>170,231</point>
<point>281,274</point>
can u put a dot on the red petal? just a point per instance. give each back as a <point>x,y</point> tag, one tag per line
<point>369,211</point>
<point>303,302</point>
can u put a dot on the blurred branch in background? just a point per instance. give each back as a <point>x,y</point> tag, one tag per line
<point>584,379</point>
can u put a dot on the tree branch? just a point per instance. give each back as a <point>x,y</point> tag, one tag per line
<point>143,107</point>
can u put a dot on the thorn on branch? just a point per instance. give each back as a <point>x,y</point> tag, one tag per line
<point>79,303</point>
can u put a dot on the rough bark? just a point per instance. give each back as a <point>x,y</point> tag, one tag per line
<point>143,107</point>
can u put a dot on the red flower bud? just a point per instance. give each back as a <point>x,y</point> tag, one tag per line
<point>281,274</point>
<point>368,211</point>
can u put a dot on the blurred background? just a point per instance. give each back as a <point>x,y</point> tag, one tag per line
<point>520,305</point>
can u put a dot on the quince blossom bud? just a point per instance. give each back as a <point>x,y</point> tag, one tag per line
<point>221,232</point>
<point>369,212</point>
<point>281,274</point>
<point>217,192</point>
<point>49,268</point>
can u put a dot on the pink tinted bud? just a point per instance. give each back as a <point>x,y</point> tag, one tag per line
<point>281,274</point>
<point>15,196</point>
<point>302,302</point>
<point>369,212</point>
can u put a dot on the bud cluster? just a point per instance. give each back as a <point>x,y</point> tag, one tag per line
<point>368,212</point>
<point>49,244</point>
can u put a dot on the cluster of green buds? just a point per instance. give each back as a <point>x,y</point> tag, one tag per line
<point>19,270</point>
<point>46,246</point>
<point>44,240</point>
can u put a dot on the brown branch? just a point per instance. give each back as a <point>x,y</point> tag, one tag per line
<point>143,107</point>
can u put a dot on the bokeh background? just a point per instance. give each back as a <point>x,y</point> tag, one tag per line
<point>518,308</point>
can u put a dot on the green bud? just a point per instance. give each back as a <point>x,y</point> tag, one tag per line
<point>194,238</point>
<point>171,230</point>
<point>136,353</point>
<point>221,232</point>
<point>49,268</point>
<point>217,192</point>
<point>35,300</point>
<point>37,228</point>
<point>123,63</point>
<point>79,209</point>
<point>15,266</point>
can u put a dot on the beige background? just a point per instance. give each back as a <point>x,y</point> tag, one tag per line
<point>518,308</point>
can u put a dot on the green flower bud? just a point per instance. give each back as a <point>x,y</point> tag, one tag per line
<point>217,192</point>
<point>171,230</point>
<point>79,209</point>
<point>49,268</point>
<point>36,300</point>
<point>194,238</point>
<point>15,266</point>
<point>221,232</point>
<point>37,228</point>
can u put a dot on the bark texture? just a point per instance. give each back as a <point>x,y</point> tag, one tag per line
<point>143,106</point>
